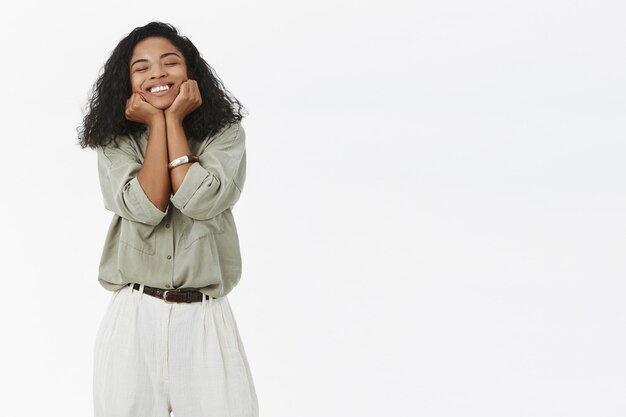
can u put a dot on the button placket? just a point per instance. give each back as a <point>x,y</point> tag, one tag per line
<point>168,249</point>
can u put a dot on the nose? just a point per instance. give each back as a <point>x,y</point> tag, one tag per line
<point>158,71</point>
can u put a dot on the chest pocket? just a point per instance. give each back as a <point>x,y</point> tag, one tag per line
<point>197,229</point>
<point>139,236</point>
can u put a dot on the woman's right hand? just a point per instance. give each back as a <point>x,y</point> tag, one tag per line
<point>139,110</point>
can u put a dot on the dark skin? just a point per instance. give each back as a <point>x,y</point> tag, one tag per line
<point>163,113</point>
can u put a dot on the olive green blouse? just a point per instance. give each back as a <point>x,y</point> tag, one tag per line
<point>194,243</point>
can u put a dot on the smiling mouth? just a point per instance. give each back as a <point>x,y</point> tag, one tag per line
<point>160,90</point>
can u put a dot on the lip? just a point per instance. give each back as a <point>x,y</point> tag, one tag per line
<point>161,93</point>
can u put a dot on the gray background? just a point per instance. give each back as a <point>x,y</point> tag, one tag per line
<point>432,224</point>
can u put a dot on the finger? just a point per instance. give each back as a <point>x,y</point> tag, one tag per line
<point>184,89</point>
<point>192,91</point>
<point>197,90</point>
<point>138,98</point>
<point>180,88</point>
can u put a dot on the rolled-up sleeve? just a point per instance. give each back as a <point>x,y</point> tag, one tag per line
<point>214,183</point>
<point>121,190</point>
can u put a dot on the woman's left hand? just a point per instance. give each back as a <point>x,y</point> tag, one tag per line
<point>187,100</point>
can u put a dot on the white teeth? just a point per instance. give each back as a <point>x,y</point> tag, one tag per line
<point>161,88</point>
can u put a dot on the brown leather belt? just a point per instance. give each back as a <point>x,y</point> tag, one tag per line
<point>172,296</point>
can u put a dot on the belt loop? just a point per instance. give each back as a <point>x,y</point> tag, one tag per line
<point>140,291</point>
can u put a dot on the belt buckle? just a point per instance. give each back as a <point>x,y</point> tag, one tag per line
<point>165,295</point>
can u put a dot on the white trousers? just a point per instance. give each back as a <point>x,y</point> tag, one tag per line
<point>152,358</point>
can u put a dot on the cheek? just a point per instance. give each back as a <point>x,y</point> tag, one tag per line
<point>184,73</point>
<point>135,84</point>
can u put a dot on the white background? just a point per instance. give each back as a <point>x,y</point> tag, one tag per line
<point>433,218</point>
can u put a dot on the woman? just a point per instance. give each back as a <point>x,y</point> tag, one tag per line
<point>171,164</point>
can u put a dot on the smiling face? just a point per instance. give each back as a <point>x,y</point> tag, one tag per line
<point>155,65</point>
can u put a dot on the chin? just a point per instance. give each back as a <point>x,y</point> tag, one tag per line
<point>161,105</point>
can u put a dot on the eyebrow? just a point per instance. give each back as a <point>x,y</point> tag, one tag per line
<point>162,56</point>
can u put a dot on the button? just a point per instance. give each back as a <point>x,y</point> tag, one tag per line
<point>167,285</point>
<point>167,225</point>
<point>169,256</point>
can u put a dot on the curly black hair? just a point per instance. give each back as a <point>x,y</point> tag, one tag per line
<point>106,119</point>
